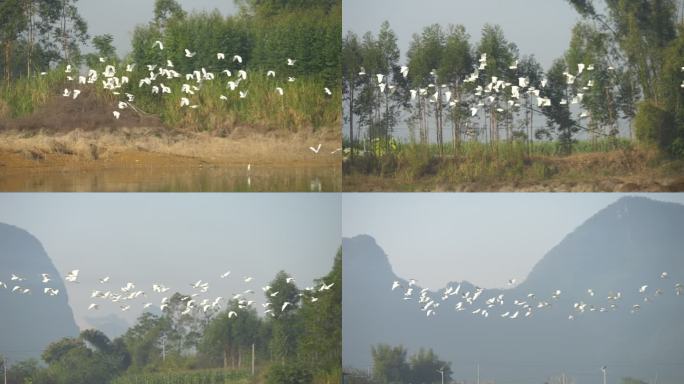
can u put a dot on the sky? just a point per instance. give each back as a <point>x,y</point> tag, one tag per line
<point>484,238</point>
<point>539,27</point>
<point>119,18</point>
<point>177,239</point>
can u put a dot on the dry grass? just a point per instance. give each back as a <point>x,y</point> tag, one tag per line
<point>100,145</point>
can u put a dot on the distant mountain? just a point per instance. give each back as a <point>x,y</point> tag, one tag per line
<point>29,322</point>
<point>624,246</point>
<point>112,325</point>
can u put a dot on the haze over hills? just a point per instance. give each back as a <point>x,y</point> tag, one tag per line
<point>622,247</point>
<point>30,321</point>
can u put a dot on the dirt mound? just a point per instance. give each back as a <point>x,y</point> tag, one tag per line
<point>87,112</point>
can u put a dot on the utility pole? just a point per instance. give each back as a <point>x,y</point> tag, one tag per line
<point>604,369</point>
<point>163,340</point>
<point>441,371</point>
<point>478,373</point>
<point>4,366</point>
<point>252,359</point>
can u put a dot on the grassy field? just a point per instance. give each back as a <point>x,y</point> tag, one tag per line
<point>214,376</point>
<point>609,165</point>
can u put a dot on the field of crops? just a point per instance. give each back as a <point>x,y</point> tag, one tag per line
<point>186,377</point>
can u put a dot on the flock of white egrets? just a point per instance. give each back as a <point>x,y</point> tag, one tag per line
<point>498,94</point>
<point>158,73</point>
<point>128,295</point>
<point>523,307</point>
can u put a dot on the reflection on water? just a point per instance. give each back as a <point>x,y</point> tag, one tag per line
<point>196,179</point>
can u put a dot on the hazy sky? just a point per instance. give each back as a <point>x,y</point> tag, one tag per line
<point>119,18</point>
<point>177,239</point>
<point>483,238</point>
<point>539,27</point>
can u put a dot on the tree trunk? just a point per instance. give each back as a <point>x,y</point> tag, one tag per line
<point>351,116</point>
<point>225,358</point>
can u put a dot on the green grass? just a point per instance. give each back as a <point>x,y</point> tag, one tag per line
<point>414,166</point>
<point>206,376</point>
<point>20,98</point>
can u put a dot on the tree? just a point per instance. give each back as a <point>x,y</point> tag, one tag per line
<point>72,31</point>
<point>12,23</point>
<point>285,322</point>
<point>104,49</point>
<point>500,55</point>
<point>389,364</point>
<point>320,344</point>
<point>226,337</point>
<point>166,10</point>
<point>559,115</point>
<point>425,367</point>
<point>351,63</point>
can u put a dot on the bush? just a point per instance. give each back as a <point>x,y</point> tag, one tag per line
<point>289,374</point>
<point>654,125</point>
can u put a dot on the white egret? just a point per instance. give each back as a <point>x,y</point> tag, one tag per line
<point>237,58</point>
<point>189,54</point>
<point>315,150</point>
<point>72,276</point>
<point>291,62</point>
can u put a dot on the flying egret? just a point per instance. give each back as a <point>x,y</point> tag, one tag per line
<point>327,91</point>
<point>46,277</point>
<point>291,62</point>
<point>289,280</point>
<point>315,150</point>
<point>189,54</point>
<point>404,71</point>
<point>237,58</point>
<point>116,114</point>
<point>72,276</point>
<point>161,46</point>
<point>270,73</point>
<point>279,91</point>
<point>220,56</point>
<point>93,306</point>
<point>285,304</point>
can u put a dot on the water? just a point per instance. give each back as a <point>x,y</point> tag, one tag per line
<point>177,179</point>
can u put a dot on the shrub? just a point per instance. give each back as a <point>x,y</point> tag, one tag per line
<point>289,374</point>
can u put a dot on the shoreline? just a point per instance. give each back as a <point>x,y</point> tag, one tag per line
<point>150,147</point>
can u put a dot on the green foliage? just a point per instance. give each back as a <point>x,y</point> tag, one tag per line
<point>425,367</point>
<point>104,49</point>
<point>654,125</point>
<point>289,374</point>
<point>630,380</point>
<point>185,377</point>
<point>320,345</point>
<point>389,364</point>
<point>559,115</point>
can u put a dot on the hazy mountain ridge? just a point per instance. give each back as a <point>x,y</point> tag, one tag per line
<point>30,321</point>
<point>625,245</point>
